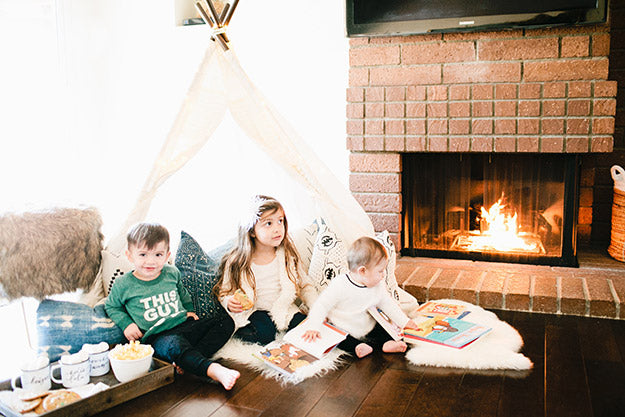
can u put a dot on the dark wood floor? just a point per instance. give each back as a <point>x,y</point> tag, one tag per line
<point>578,371</point>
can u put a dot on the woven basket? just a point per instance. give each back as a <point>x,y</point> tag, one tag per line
<point>617,235</point>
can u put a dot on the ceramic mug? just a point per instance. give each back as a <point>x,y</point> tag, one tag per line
<point>72,374</point>
<point>99,363</point>
<point>34,380</point>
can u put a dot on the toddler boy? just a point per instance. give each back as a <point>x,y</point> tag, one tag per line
<point>151,304</point>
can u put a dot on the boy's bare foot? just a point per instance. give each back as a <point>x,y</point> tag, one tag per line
<point>394,346</point>
<point>225,376</point>
<point>363,350</point>
<point>178,369</point>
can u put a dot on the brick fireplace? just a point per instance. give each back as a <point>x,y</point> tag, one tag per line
<point>532,91</point>
<point>529,91</point>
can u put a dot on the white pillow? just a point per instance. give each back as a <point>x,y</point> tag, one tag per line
<point>405,299</point>
<point>113,266</point>
<point>329,257</point>
<point>304,240</point>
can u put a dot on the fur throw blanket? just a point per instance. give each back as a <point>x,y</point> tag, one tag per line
<point>49,252</point>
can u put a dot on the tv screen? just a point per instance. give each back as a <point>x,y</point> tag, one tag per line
<point>405,17</point>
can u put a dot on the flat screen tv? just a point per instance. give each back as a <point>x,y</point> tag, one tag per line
<point>405,17</point>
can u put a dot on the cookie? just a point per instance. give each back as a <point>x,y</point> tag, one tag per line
<point>26,406</point>
<point>29,396</point>
<point>242,298</point>
<point>39,409</point>
<point>59,399</point>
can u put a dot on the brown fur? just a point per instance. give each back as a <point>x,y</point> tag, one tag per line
<point>49,252</point>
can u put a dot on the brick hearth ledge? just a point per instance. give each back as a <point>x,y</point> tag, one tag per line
<point>596,288</point>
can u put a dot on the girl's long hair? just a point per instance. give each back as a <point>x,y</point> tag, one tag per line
<point>238,262</point>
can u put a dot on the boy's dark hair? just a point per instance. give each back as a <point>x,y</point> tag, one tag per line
<point>148,234</point>
<point>365,251</point>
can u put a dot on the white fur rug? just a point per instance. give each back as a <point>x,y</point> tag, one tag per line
<point>241,352</point>
<point>498,349</point>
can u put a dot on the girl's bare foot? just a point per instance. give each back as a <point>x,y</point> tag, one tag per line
<point>363,350</point>
<point>394,346</point>
<point>225,376</point>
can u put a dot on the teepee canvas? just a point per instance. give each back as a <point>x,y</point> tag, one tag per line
<point>221,84</point>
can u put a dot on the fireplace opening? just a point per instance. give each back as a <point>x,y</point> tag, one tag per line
<point>491,207</point>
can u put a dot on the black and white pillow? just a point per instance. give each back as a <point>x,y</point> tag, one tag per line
<point>329,257</point>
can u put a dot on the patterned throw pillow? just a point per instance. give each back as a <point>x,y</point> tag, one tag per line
<point>198,271</point>
<point>329,257</point>
<point>391,281</point>
<point>113,266</point>
<point>304,240</point>
<point>63,327</point>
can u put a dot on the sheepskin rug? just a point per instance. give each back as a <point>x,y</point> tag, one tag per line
<point>241,353</point>
<point>497,349</point>
<point>49,252</point>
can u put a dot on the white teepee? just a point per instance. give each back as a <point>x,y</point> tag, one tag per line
<point>219,85</point>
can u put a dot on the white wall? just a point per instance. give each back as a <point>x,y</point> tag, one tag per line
<point>93,87</point>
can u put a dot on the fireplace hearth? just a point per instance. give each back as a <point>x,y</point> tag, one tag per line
<point>491,207</point>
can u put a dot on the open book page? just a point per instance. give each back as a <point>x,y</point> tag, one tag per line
<point>434,308</point>
<point>445,331</point>
<point>392,328</point>
<point>330,337</point>
<point>284,357</point>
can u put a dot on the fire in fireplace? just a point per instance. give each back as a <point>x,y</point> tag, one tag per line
<point>492,207</point>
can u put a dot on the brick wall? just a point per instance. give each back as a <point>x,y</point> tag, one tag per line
<point>530,91</point>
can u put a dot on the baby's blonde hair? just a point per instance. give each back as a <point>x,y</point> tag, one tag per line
<point>366,252</point>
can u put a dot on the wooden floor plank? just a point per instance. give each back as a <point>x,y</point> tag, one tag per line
<point>478,394</point>
<point>597,340</point>
<point>298,400</point>
<point>258,394</point>
<point>523,391</point>
<point>433,396</point>
<point>349,390</point>
<point>210,396</point>
<point>391,395</point>
<point>605,369</point>
<point>158,402</point>
<point>566,391</point>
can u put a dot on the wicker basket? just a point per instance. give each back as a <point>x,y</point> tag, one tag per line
<point>617,235</point>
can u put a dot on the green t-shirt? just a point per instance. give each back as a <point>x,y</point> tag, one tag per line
<point>155,306</point>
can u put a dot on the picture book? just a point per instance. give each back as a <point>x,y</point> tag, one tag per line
<point>435,308</point>
<point>293,352</point>
<point>445,331</point>
<point>284,357</point>
<point>392,328</point>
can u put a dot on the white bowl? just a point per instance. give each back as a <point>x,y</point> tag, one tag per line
<point>127,369</point>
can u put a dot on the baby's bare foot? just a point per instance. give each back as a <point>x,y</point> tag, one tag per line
<point>363,350</point>
<point>225,376</point>
<point>394,346</point>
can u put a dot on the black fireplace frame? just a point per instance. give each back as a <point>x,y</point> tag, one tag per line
<point>568,256</point>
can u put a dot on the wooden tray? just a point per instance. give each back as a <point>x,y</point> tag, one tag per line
<point>161,373</point>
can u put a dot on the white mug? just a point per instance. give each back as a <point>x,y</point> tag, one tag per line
<point>34,380</point>
<point>72,374</point>
<point>99,363</point>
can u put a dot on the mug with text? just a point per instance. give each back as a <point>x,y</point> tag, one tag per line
<point>35,376</point>
<point>74,368</point>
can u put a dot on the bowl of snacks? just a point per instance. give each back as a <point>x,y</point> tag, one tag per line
<point>131,360</point>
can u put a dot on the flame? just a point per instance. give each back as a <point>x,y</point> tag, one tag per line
<point>500,231</point>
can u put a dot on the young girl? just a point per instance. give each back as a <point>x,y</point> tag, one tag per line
<point>261,277</point>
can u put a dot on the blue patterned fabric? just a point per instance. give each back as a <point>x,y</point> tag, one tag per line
<point>63,327</point>
<point>198,271</point>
